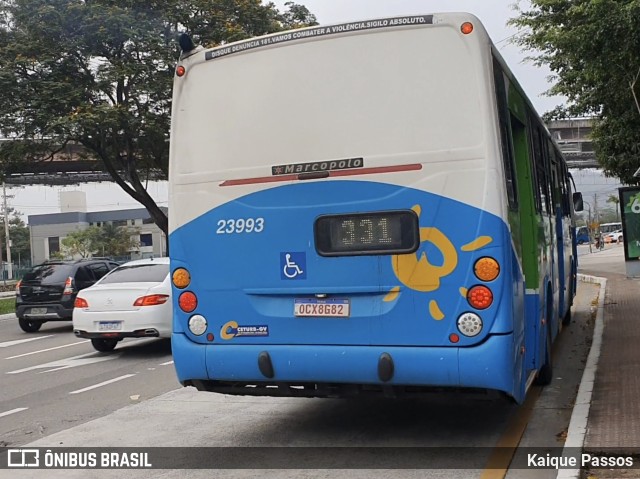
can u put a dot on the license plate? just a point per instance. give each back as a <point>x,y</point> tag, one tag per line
<point>38,310</point>
<point>324,308</point>
<point>110,326</point>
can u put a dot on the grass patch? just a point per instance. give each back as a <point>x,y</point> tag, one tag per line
<point>7,305</point>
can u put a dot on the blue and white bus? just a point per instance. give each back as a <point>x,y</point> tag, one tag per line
<point>369,207</point>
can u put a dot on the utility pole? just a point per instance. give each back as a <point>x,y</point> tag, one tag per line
<point>7,240</point>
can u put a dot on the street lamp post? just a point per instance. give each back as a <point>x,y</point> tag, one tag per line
<point>588,223</point>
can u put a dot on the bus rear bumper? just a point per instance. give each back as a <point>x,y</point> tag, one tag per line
<point>319,370</point>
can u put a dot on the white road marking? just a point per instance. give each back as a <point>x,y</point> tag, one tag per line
<point>49,349</point>
<point>166,364</point>
<point>81,360</point>
<point>6,344</point>
<point>18,409</point>
<point>102,384</point>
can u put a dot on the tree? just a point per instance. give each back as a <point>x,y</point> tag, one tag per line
<point>78,243</point>
<point>99,74</point>
<point>616,201</point>
<point>19,236</point>
<point>115,240</point>
<point>107,240</point>
<point>593,49</point>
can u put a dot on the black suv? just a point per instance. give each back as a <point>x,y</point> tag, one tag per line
<point>47,292</point>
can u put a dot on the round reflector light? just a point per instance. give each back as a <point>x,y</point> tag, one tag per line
<point>454,338</point>
<point>188,301</point>
<point>470,324</point>
<point>180,71</point>
<point>480,297</point>
<point>466,28</point>
<point>197,324</point>
<point>486,269</point>
<point>181,278</point>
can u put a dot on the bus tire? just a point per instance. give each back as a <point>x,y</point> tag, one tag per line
<point>545,374</point>
<point>566,320</point>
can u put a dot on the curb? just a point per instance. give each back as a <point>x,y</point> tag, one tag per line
<point>580,415</point>
<point>7,316</point>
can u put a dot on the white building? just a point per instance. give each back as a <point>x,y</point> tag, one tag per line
<point>48,230</point>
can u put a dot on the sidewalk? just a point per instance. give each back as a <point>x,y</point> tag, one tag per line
<point>614,418</point>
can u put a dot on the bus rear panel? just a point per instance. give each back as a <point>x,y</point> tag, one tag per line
<point>338,215</point>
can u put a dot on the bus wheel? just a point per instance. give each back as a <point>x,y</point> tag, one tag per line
<point>545,375</point>
<point>566,320</point>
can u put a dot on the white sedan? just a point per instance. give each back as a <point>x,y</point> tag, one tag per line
<point>132,301</point>
<point>615,237</point>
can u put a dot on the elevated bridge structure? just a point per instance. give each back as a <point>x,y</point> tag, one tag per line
<point>69,168</point>
<point>66,172</point>
<point>574,139</point>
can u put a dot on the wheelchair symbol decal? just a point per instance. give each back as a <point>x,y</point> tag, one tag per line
<point>293,265</point>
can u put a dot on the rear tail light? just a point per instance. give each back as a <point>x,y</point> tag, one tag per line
<point>188,301</point>
<point>486,269</point>
<point>198,325</point>
<point>68,286</point>
<point>18,288</point>
<point>151,300</point>
<point>470,324</point>
<point>181,278</point>
<point>80,303</point>
<point>480,297</point>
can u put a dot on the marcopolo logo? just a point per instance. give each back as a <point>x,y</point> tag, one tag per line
<point>317,166</point>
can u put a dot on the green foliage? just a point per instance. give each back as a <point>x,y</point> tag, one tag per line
<point>615,199</point>
<point>7,306</point>
<point>99,74</point>
<point>78,243</point>
<point>107,240</point>
<point>19,236</point>
<point>593,49</point>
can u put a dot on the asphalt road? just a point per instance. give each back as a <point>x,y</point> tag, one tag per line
<point>52,381</point>
<point>76,397</point>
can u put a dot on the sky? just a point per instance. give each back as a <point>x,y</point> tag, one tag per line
<point>494,14</point>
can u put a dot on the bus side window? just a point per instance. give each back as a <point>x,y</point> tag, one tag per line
<point>566,194</point>
<point>555,178</point>
<point>506,139</point>
<point>541,176</point>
